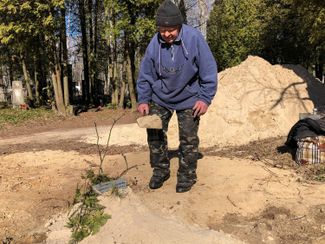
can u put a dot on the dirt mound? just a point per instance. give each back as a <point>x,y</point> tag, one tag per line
<point>257,100</point>
<point>140,224</point>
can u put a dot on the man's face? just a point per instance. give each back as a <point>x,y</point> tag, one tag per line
<point>169,34</point>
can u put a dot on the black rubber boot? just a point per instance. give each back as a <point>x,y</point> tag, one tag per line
<point>184,186</point>
<point>157,180</point>
<point>185,182</point>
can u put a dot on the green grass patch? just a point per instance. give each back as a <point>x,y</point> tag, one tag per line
<point>11,116</point>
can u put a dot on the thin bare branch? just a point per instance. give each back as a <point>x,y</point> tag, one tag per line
<point>102,153</point>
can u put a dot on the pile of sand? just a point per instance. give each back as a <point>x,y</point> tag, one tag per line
<point>255,100</point>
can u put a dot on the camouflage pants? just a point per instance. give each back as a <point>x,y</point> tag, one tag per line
<point>188,148</point>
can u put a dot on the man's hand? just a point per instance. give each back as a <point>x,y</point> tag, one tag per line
<point>143,109</point>
<point>200,108</point>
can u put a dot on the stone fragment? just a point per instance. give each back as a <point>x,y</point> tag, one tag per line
<point>150,122</point>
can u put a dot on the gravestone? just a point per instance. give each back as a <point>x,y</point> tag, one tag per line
<point>2,95</point>
<point>17,93</point>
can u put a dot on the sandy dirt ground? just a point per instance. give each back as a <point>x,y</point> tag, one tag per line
<point>237,198</point>
<point>246,193</point>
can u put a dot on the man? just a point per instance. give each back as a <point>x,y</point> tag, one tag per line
<point>178,73</point>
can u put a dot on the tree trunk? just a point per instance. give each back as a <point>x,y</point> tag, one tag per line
<point>112,59</point>
<point>43,70</point>
<point>91,58</point>
<point>130,80</point>
<point>319,68</point>
<point>56,80</point>
<point>37,84</point>
<point>60,95</point>
<point>66,90</point>
<point>63,43</point>
<point>95,65</point>
<point>130,48</point>
<point>85,82</point>
<point>203,17</point>
<point>55,88</point>
<point>56,72</point>
<point>115,85</point>
<point>11,71</point>
<point>95,26</point>
<point>108,78</point>
<point>123,87</point>
<point>27,79</point>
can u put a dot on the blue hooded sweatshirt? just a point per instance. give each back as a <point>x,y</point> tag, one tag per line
<point>177,75</point>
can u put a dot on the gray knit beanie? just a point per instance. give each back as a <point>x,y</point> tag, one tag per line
<point>168,14</point>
